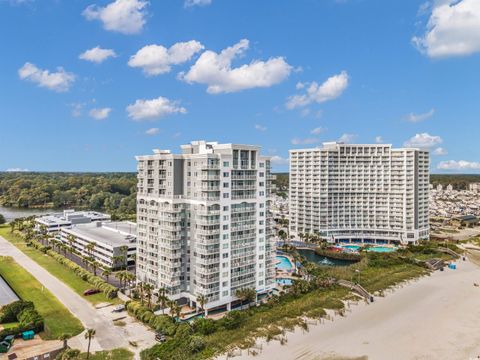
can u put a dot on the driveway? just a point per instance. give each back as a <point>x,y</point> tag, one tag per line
<point>108,336</point>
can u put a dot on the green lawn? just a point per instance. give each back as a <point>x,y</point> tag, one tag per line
<point>116,354</point>
<point>58,320</point>
<point>56,269</point>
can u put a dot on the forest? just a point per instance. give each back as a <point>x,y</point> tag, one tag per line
<point>114,193</point>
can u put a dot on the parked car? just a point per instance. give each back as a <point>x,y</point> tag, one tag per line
<point>91,292</point>
<point>160,337</point>
<point>118,308</point>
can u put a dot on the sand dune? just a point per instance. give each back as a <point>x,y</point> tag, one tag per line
<point>436,317</point>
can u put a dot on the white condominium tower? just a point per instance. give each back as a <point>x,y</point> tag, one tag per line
<point>204,225</point>
<point>360,193</point>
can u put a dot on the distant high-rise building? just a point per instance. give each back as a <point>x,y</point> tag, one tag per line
<point>346,192</point>
<point>204,224</point>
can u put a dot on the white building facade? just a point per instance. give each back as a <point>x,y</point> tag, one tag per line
<point>113,244</point>
<point>360,193</point>
<point>204,224</point>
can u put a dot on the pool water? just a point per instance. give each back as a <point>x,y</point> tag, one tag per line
<point>382,249</point>
<point>284,282</point>
<point>284,263</point>
<point>352,247</point>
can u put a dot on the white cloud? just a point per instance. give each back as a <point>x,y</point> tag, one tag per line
<point>215,70</point>
<point>17,170</point>
<point>332,88</point>
<point>419,117</point>
<point>100,113</point>
<point>317,130</point>
<point>97,55</point>
<point>458,165</point>
<point>278,160</point>
<point>453,29</point>
<point>440,151</point>
<point>124,16</point>
<point>260,127</point>
<point>59,81</point>
<point>77,109</point>
<point>423,141</point>
<point>157,59</point>
<point>154,109</point>
<point>347,138</point>
<point>189,3</point>
<point>307,141</point>
<point>152,131</point>
<point>378,139</point>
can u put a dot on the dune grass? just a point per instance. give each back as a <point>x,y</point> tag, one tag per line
<point>58,320</point>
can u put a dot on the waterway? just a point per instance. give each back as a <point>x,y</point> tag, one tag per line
<point>311,256</point>
<point>15,213</point>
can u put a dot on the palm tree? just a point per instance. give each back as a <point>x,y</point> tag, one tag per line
<point>65,338</point>
<point>106,273</point>
<point>121,277</point>
<point>175,310</point>
<point>89,335</point>
<point>129,277</point>
<point>202,300</point>
<point>148,288</point>
<point>246,294</point>
<point>71,241</point>
<point>162,298</point>
<point>90,247</point>
<point>94,264</point>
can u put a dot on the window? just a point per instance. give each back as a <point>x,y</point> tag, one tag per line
<point>262,213</point>
<point>225,283</point>
<point>225,293</point>
<point>225,227</point>
<point>225,246</point>
<point>226,164</point>
<point>225,237</point>
<point>261,193</point>
<point>225,208</point>
<point>224,265</point>
<point>262,164</point>
<point>225,217</point>
<point>226,174</point>
<point>226,195</point>
<point>261,183</point>
<point>261,174</point>
<point>226,185</point>
<point>225,255</point>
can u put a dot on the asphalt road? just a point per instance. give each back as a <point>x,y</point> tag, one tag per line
<point>108,336</point>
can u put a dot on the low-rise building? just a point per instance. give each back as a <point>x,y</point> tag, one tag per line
<point>55,222</point>
<point>114,244</point>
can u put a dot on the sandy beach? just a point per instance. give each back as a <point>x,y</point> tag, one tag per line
<point>436,317</point>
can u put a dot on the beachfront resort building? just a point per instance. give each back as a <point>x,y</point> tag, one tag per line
<point>204,223</point>
<point>112,244</point>
<point>53,223</point>
<point>360,193</point>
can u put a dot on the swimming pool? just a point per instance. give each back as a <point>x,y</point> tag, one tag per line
<point>352,247</point>
<point>382,249</point>
<point>284,264</point>
<point>287,282</point>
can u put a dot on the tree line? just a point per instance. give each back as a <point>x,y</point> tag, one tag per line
<point>111,192</point>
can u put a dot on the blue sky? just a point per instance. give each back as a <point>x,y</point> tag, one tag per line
<point>292,74</point>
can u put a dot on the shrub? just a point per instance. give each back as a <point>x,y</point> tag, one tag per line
<point>9,312</point>
<point>233,319</point>
<point>205,326</point>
